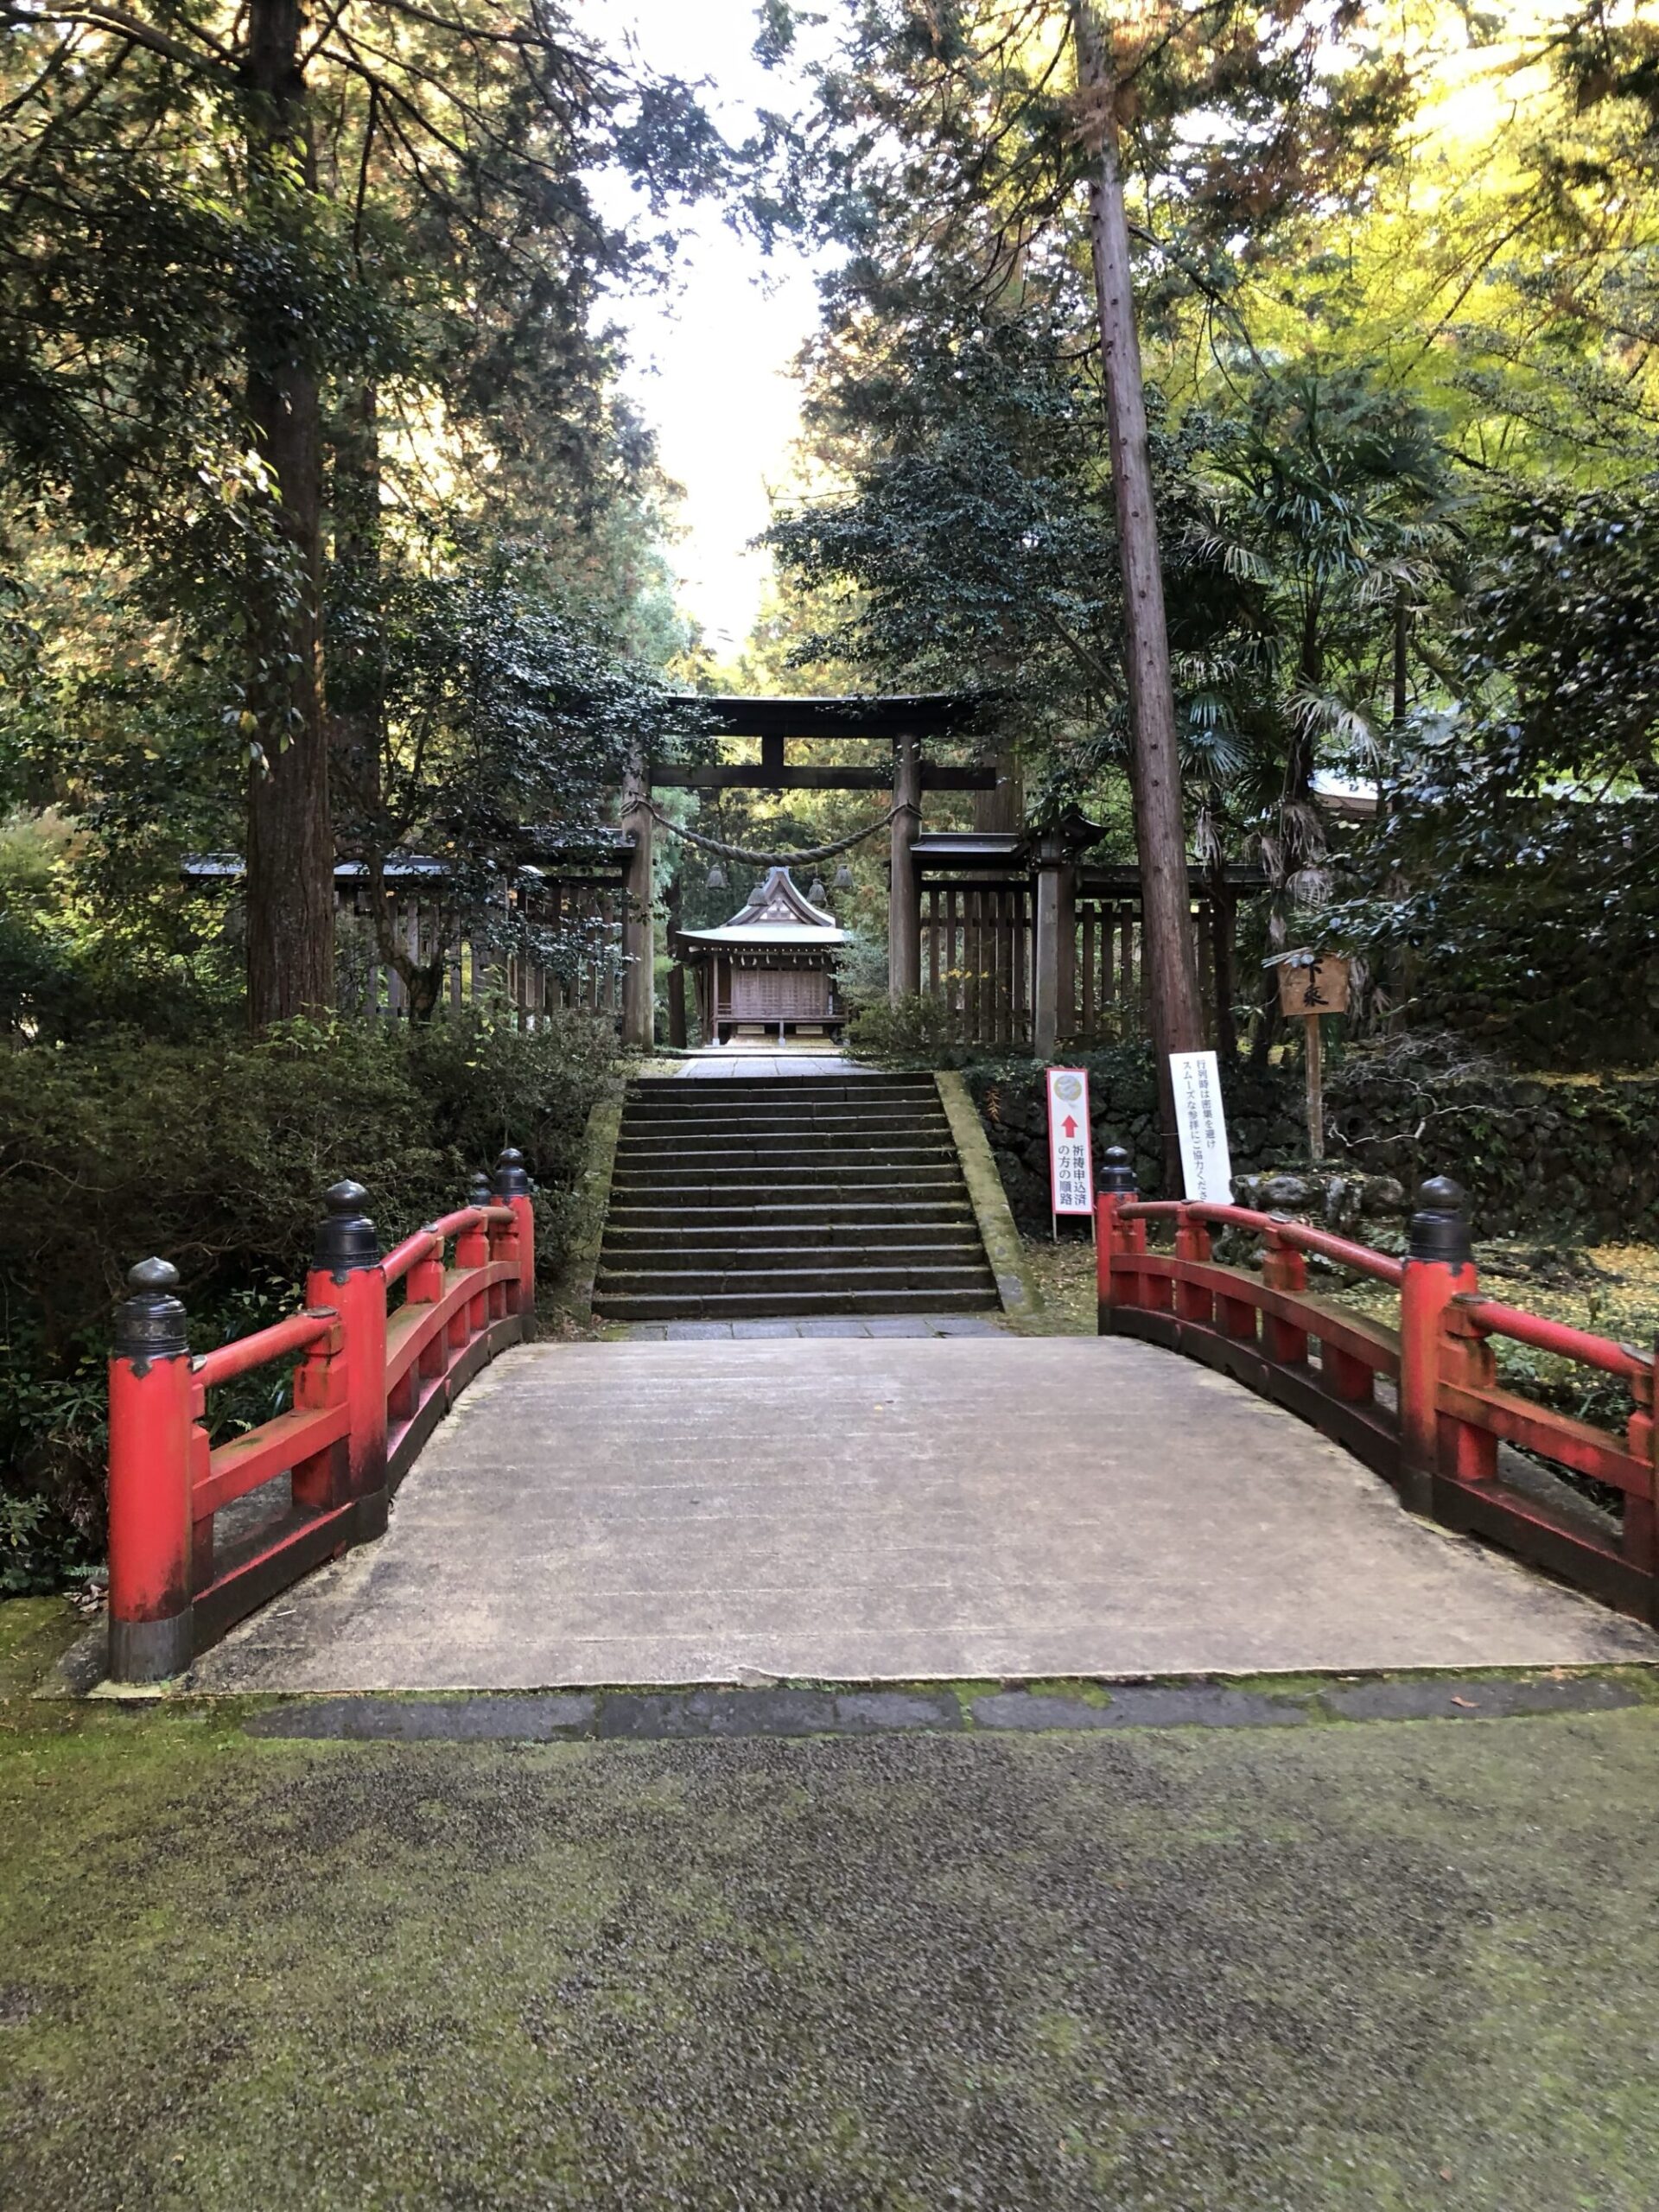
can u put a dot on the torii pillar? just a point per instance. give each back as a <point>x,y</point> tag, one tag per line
<point>904,894</point>
<point>638,930</point>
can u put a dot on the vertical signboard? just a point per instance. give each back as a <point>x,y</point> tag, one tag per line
<point>1206,1166</point>
<point>1071,1155</point>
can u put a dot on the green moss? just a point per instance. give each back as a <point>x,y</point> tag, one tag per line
<point>1089,1967</point>
<point>34,1633</point>
<point>1074,1689</point>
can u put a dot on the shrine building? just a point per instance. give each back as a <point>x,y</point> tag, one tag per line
<point>770,969</point>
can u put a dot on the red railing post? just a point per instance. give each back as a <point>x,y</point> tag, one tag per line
<point>1641,1537</point>
<point>1467,1356</point>
<point>151,1634</point>
<point>1114,1190</point>
<point>346,1274</point>
<point>1192,1302</point>
<point>323,1482</point>
<point>473,1250</point>
<point>423,1286</point>
<point>1283,1268</point>
<point>512,1189</point>
<point>1439,1267</point>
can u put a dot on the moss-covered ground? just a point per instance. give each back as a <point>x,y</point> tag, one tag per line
<point>1610,1289</point>
<point>1388,1965</point>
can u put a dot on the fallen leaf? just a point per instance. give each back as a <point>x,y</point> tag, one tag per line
<point>1469,1704</point>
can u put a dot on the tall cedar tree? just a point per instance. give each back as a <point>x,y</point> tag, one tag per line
<point>949,156</point>
<point>174,236</point>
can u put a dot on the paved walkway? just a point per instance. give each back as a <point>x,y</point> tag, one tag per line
<point>893,1508</point>
<point>750,1060</point>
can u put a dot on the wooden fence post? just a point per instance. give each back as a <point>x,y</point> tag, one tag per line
<point>151,1632</point>
<point>1439,1267</point>
<point>1047,1017</point>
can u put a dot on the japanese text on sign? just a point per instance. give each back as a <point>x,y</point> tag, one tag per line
<point>1070,1157</point>
<point>1206,1166</point>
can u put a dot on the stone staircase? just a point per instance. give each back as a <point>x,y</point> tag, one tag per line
<point>733,1200</point>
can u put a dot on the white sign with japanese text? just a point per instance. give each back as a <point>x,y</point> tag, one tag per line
<point>1071,1156</point>
<point>1206,1166</point>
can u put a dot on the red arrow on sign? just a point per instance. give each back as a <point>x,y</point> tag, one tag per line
<point>1068,1127</point>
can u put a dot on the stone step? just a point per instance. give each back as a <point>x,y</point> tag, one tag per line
<point>733,1153</point>
<point>765,1259</point>
<point>742,1233</point>
<point>769,1306</point>
<point>904,1271</point>
<point>725,1152</point>
<point>776,1086</point>
<point>660,1122</point>
<point>808,1213</point>
<point>768,1196</point>
<point>679,1185</point>
<point>721,1098</point>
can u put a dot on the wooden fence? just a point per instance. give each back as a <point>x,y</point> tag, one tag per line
<point>977,955</point>
<point>483,961</point>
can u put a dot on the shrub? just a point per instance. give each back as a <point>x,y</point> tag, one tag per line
<point>915,1031</point>
<point>215,1154</point>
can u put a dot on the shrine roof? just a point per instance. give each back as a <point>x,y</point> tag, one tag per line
<point>780,936</point>
<point>775,913</point>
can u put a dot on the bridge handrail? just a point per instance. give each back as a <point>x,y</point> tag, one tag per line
<point>1557,1337</point>
<point>243,1354</point>
<point>1299,1234</point>
<point>367,1390</point>
<point>425,1242</point>
<point>1438,1428</point>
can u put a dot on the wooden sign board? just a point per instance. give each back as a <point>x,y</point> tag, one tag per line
<point>1313,986</point>
<point>1070,1154</point>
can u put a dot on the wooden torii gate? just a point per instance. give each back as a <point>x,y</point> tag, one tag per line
<point>896,723</point>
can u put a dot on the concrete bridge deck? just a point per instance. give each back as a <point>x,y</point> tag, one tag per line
<point>891,1509</point>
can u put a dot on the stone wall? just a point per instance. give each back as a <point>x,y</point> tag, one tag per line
<point>1578,1156</point>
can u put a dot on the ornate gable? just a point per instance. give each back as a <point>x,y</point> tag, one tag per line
<point>776,904</point>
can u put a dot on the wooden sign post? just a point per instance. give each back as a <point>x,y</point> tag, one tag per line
<point>1311,984</point>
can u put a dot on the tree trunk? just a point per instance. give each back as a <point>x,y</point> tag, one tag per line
<point>1222,906</point>
<point>356,654</point>
<point>290,859</point>
<point>1174,1012</point>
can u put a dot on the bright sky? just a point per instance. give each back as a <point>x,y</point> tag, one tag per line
<point>712,358</point>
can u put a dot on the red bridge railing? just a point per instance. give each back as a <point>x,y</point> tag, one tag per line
<point>1418,1401</point>
<point>369,1385</point>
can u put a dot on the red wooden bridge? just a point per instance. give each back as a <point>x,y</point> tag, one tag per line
<point>200,1535</point>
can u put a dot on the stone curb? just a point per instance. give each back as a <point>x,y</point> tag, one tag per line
<point>705,1715</point>
<point>592,1194</point>
<point>1004,1247</point>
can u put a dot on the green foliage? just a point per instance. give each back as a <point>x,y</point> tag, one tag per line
<point>1513,890</point>
<point>215,1153</point>
<point>913,1031</point>
<point>403,267</point>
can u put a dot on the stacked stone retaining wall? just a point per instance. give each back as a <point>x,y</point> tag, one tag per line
<point>1577,1153</point>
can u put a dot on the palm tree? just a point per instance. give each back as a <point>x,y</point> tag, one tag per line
<point>1330,518</point>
